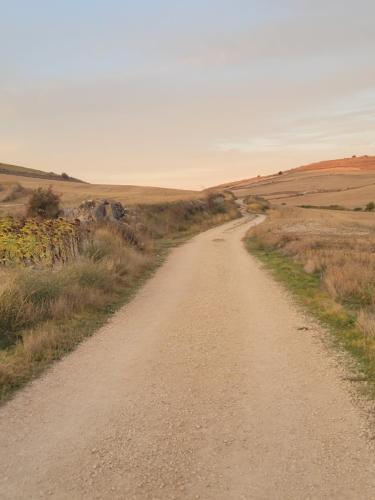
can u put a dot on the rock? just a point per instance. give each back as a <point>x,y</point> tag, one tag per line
<point>118,211</point>
<point>97,211</point>
<point>100,211</point>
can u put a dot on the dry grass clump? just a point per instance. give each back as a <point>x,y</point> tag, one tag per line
<point>13,192</point>
<point>44,311</point>
<point>165,219</point>
<point>338,250</point>
<point>256,204</point>
<point>34,295</point>
<point>366,322</point>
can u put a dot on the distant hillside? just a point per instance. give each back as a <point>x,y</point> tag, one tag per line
<point>353,163</point>
<point>32,172</point>
<point>15,191</point>
<point>348,182</point>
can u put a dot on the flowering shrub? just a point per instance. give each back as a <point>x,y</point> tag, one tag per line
<point>32,241</point>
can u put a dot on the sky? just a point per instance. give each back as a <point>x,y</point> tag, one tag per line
<point>184,94</point>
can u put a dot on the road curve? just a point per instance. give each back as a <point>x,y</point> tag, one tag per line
<point>204,386</point>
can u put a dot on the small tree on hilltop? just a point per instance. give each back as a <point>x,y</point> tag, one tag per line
<point>44,203</point>
<point>370,206</point>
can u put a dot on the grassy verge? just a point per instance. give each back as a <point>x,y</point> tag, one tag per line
<point>341,319</point>
<point>45,312</point>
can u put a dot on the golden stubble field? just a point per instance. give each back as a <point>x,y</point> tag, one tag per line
<point>335,273</point>
<point>339,245</point>
<point>73,193</point>
<point>349,182</point>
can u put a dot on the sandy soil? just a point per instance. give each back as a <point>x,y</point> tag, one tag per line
<point>210,384</point>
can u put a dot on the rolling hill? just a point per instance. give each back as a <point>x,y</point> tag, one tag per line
<point>17,182</point>
<point>7,169</point>
<point>349,182</point>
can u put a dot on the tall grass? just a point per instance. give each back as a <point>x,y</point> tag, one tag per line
<point>328,260</point>
<point>340,251</point>
<point>47,308</point>
<point>45,312</point>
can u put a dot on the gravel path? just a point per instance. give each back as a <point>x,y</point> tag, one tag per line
<point>204,386</point>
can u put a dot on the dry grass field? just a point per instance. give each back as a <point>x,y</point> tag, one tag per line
<point>327,258</point>
<point>6,168</point>
<point>348,182</point>
<point>336,245</point>
<point>73,193</point>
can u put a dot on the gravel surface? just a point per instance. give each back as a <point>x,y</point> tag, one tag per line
<point>206,386</point>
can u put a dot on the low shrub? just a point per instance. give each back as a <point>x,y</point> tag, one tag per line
<point>256,204</point>
<point>34,241</point>
<point>44,203</point>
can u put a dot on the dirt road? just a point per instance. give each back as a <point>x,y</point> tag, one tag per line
<point>204,386</point>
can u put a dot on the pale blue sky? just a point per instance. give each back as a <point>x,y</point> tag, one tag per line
<point>185,94</point>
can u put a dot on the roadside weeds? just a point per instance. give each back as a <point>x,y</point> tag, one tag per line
<point>45,312</point>
<point>309,268</point>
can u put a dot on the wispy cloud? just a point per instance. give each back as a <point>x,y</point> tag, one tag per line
<point>185,93</point>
